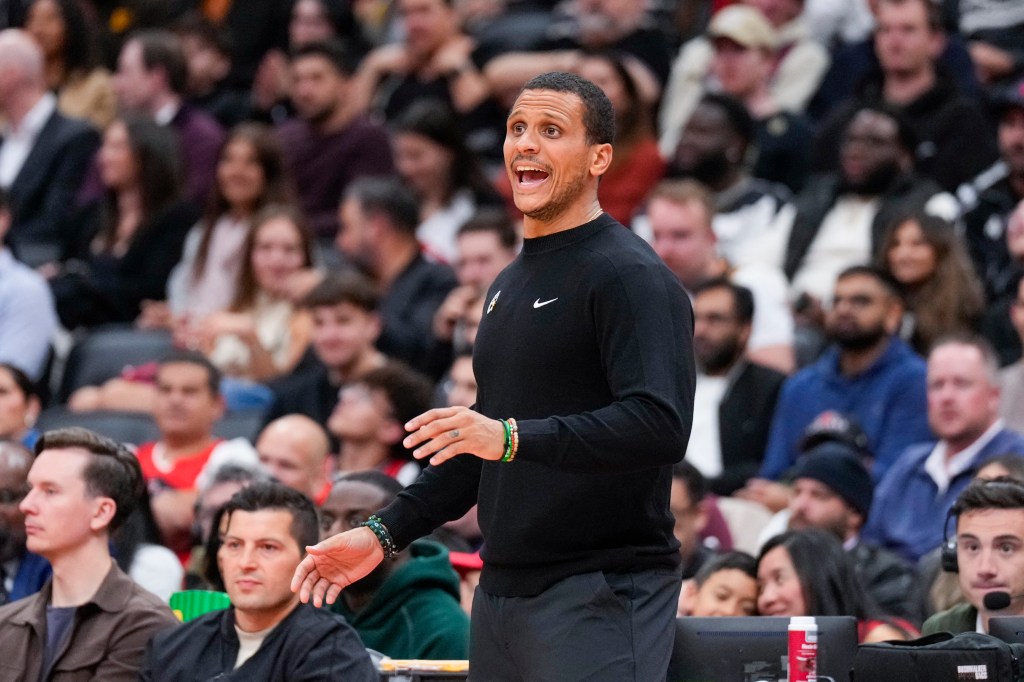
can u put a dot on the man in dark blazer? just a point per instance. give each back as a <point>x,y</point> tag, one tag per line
<point>43,154</point>
<point>735,398</point>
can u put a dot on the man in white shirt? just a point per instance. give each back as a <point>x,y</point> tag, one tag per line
<point>43,155</point>
<point>735,399</point>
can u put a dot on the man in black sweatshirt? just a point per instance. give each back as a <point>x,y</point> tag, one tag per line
<point>586,376</point>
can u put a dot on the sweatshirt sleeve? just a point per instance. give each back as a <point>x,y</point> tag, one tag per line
<point>440,494</point>
<point>644,326</point>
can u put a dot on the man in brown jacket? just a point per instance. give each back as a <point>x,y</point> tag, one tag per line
<point>90,621</point>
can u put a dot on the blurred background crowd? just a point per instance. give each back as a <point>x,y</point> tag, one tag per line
<point>256,238</point>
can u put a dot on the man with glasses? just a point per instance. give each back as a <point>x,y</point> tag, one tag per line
<point>21,572</point>
<point>735,398</point>
<point>407,607</point>
<point>369,419</point>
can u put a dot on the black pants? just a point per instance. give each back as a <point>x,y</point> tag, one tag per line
<point>595,626</point>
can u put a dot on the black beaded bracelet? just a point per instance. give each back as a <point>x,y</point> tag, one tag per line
<point>383,535</point>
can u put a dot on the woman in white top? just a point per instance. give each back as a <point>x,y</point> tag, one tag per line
<point>433,160</point>
<point>251,174</point>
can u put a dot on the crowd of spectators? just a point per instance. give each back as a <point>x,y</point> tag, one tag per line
<point>306,200</point>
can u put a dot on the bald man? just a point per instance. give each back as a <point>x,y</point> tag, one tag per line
<point>43,156</point>
<point>293,449</point>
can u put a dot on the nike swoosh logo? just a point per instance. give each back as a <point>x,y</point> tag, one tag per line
<point>540,304</point>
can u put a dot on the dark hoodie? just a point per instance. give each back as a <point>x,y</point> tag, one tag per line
<point>416,612</point>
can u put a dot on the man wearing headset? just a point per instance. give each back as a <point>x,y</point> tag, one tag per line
<point>988,554</point>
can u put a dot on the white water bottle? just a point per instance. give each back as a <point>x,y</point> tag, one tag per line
<point>803,649</point>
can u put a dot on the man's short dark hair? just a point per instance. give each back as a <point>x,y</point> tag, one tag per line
<point>736,115</point>
<point>340,55</point>
<point>696,484</point>
<point>905,135</point>
<point>932,10</point>
<point>734,560</point>
<point>598,115</point>
<point>378,479</point>
<point>113,471</point>
<point>1003,492</point>
<point>344,287</point>
<point>742,298</point>
<point>387,197</point>
<point>407,391</point>
<point>194,357</point>
<point>197,26</point>
<point>262,495</point>
<point>493,220</point>
<point>161,49</point>
<point>877,274</point>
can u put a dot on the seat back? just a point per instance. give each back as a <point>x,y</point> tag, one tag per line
<point>106,351</point>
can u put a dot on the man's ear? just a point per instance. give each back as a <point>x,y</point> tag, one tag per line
<point>600,159</point>
<point>103,512</point>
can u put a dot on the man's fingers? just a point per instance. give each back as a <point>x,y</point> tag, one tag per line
<point>302,571</point>
<point>429,416</point>
<point>437,430</point>
<point>444,456</point>
<point>307,586</point>
<point>332,593</point>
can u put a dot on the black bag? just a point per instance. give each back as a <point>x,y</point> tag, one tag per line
<point>940,657</point>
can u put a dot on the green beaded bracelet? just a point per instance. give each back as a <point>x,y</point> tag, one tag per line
<point>378,528</point>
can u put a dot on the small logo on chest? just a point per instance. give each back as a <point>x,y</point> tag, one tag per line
<point>490,306</point>
<point>540,304</point>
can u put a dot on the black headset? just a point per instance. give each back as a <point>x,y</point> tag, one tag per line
<point>947,553</point>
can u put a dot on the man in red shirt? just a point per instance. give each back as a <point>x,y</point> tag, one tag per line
<point>188,403</point>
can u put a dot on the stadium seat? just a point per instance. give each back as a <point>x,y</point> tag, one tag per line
<point>126,427</point>
<point>106,351</point>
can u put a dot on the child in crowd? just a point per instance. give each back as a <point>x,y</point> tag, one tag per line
<point>725,586</point>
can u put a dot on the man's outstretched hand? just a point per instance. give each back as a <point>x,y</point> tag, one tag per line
<point>445,432</point>
<point>334,564</point>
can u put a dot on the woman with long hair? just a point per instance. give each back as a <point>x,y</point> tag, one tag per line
<point>261,335</point>
<point>808,573</point>
<point>941,291</point>
<point>433,160</point>
<point>636,166</point>
<point>251,174</point>
<point>130,239</point>
<point>84,89</point>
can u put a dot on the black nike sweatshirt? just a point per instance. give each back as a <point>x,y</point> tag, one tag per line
<point>586,340</point>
